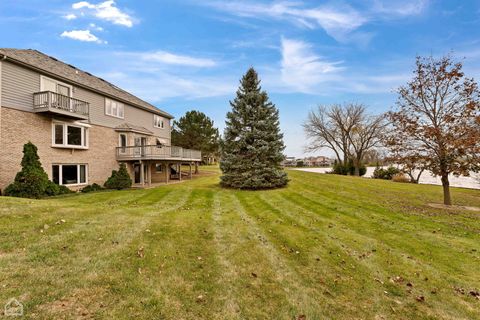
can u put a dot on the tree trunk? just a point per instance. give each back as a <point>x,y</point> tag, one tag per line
<point>447,200</point>
<point>357,164</point>
<point>357,170</point>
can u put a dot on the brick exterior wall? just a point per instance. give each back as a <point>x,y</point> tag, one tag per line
<point>19,127</point>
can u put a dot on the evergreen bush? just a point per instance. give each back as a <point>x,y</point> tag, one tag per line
<point>385,174</point>
<point>119,179</point>
<point>347,169</point>
<point>92,188</point>
<point>31,181</point>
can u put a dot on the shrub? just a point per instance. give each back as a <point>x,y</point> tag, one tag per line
<point>52,189</point>
<point>348,169</point>
<point>385,174</point>
<point>119,179</point>
<point>341,169</point>
<point>31,181</point>
<point>400,177</point>
<point>64,190</point>
<point>92,188</point>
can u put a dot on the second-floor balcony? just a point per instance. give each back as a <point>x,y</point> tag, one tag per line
<point>55,103</point>
<point>157,152</point>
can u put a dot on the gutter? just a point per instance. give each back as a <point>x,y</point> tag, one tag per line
<point>53,75</point>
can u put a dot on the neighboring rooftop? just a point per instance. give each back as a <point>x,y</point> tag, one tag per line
<point>50,65</point>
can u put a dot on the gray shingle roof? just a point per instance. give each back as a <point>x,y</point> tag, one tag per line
<point>50,65</point>
<point>131,127</point>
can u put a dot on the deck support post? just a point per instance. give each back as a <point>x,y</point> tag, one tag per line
<point>180,171</point>
<point>149,174</point>
<point>190,173</point>
<point>167,172</point>
<point>196,167</point>
<point>142,174</point>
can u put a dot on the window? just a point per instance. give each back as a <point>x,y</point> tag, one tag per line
<point>69,136</point>
<point>48,84</point>
<point>123,142</point>
<point>74,136</point>
<point>159,167</point>
<point>158,122</point>
<point>114,108</point>
<point>58,134</point>
<point>69,174</point>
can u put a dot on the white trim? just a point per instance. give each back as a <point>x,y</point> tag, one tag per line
<point>80,124</point>
<point>118,105</point>
<point>162,141</point>
<point>42,79</point>
<point>120,139</point>
<point>84,139</point>
<point>60,174</point>
<point>122,150</point>
<point>157,118</point>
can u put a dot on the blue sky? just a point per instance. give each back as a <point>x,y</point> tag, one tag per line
<point>185,54</point>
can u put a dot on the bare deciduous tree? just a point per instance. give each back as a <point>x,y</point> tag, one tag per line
<point>365,136</point>
<point>437,121</point>
<point>345,129</point>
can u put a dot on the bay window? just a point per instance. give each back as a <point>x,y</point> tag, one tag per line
<point>66,135</point>
<point>69,174</point>
<point>123,142</point>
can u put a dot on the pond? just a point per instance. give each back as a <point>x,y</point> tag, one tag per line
<point>472,182</point>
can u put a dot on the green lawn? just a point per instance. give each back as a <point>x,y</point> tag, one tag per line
<point>327,247</point>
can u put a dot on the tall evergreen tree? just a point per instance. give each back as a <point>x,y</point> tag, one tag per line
<point>195,130</point>
<point>252,145</point>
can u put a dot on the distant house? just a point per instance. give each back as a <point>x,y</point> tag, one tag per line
<point>289,162</point>
<point>320,161</point>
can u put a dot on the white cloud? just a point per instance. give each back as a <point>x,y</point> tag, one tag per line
<point>337,20</point>
<point>172,85</point>
<point>107,11</point>
<point>82,4</point>
<point>400,8</point>
<point>302,69</point>
<point>81,35</point>
<point>70,16</point>
<point>95,27</point>
<point>175,59</point>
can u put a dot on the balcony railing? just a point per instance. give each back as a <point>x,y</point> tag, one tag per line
<point>157,152</point>
<point>48,101</point>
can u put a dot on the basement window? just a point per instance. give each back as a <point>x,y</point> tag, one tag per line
<point>69,174</point>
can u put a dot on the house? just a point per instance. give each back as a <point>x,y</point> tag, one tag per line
<point>320,161</point>
<point>82,125</point>
<point>289,162</point>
